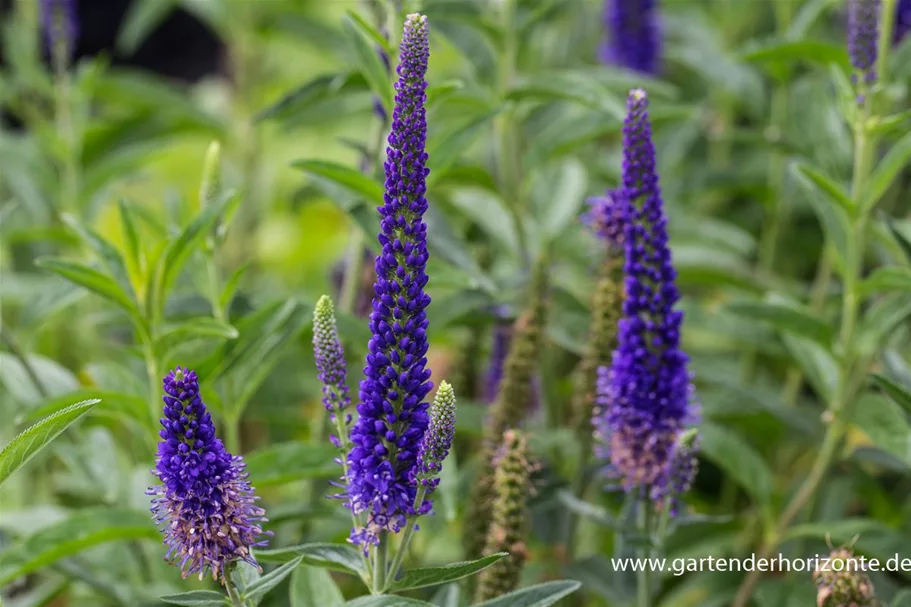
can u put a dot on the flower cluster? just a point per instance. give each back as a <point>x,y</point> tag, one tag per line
<point>509,521</point>
<point>607,217</point>
<point>645,397</point>
<point>438,438</point>
<point>841,582</point>
<point>634,38</point>
<point>863,36</point>
<point>499,350</point>
<point>392,412</point>
<point>330,362</point>
<point>60,25</point>
<point>205,504</point>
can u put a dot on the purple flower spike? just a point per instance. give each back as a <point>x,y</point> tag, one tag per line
<point>205,504</point>
<point>644,402</point>
<point>60,25</point>
<point>863,36</point>
<point>902,20</point>
<point>607,218</point>
<point>633,35</point>
<point>393,414</point>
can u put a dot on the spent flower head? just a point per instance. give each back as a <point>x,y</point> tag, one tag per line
<point>205,504</point>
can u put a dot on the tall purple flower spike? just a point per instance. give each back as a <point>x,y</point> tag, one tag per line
<point>902,20</point>
<point>645,398</point>
<point>863,36</point>
<point>205,504</point>
<point>393,414</point>
<point>60,25</point>
<point>633,35</point>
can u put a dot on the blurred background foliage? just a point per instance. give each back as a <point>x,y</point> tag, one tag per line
<point>116,143</point>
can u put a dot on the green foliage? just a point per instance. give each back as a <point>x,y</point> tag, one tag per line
<point>146,222</point>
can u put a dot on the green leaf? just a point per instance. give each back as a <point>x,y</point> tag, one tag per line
<point>434,576</point>
<point>833,191</point>
<point>789,51</point>
<point>887,171</point>
<point>175,255</point>
<point>368,61</point>
<point>351,180</point>
<point>135,253</point>
<point>899,237</point>
<point>386,601</point>
<point>588,510</point>
<point>817,363</point>
<point>196,598</point>
<point>900,394</point>
<point>445,148</point>
<point>108,254</point>
<point>489,213</point>
<point>315,101</point>
<point>880,321</point>
<point>375,35</point>
<point>789,319</point>
<point>902,599</point>
<point>541,595</point>
<point>142,19</point>
<point>231,285</point>
<point>263,338</point>
<point>72,535</point>
<point>884,280</point>
<point>314,587</point>
<point>447,596</point>
<point>287,462</point>
<point>336,557</point>
<point>569,86</point>
<point>736,457</point>
<point>89,278</point>
<point>885,424</point>
<point>197,328</point>
<point>559,196</point>
<point>34,438</point>
<point>834,219</point>
<point>258,589</point>
<point>128,405</point>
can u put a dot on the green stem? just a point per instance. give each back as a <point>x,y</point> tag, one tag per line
<point>768,243</point>
<point>13,346</point>
<point>406,538</point>
<point>508,162</point>
<point>233,594</point>
<point>379,563</point>
<point>148,352</point>
<point>354,259</point>
<point>643,576</point>
<point>232,432</point>
<point>840,409</point>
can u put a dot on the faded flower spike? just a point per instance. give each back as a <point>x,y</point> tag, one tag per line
<point>508,527</point>
<point>633,35</point>
<point>330,361</point>
<point>842,582</point>
<point>393,414</point>
<point>863,36</point>
<point>60,25</point>
<point>205,504</point>
<point>645,398</point>
<point>438,438</point>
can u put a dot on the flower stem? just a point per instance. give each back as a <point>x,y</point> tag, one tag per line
<point>643,576</point>
<point>406,538</point>
<point>864,147</point>
<point>233,594</point>
<point>379,563</point>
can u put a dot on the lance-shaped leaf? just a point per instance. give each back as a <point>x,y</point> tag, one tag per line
<point>433,576</point>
